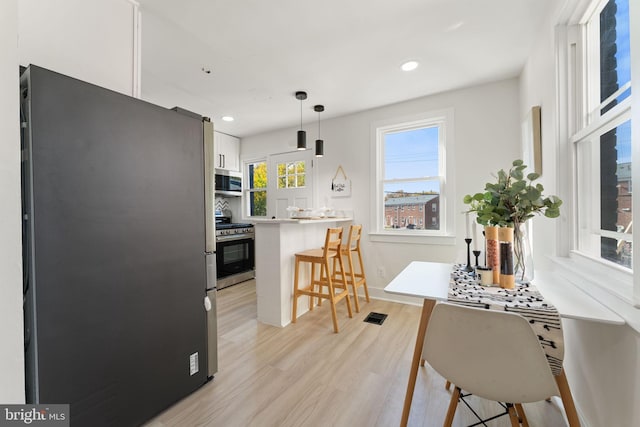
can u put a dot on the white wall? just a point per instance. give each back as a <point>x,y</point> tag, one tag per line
<point>538,90</point>
<point>93,41</point>
<point>11,339</point>
<point>602,361</point>
<point>89,40</point>
<point>487,138</point>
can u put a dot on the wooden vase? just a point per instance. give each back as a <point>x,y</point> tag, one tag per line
<point>493,251</point>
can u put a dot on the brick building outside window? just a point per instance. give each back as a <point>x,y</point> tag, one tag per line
<point>401,212</point>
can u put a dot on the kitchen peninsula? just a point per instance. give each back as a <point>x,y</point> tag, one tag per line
<point>277,241</point>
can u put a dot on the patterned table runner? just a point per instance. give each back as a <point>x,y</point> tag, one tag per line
<point>524,300</point>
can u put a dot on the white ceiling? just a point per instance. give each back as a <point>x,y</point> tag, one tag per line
<point>345,54</point>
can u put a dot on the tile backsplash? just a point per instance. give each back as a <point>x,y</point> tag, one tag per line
<point>222,204</point>
<point>230,206</point>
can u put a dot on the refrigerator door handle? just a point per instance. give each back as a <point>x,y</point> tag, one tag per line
<point>209,187</point>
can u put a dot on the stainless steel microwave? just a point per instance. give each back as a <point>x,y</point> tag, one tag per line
<point>226,182</point>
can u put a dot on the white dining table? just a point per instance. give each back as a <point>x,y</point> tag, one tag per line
<point>430,281</point>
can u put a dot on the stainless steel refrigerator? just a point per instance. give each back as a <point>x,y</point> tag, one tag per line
<point>210,239</point>
<point>114,243</point>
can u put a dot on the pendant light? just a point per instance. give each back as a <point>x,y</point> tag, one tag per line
<point>319,143</point>
<point>302,135</point>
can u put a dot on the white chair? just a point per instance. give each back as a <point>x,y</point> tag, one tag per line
<point>491,354</point>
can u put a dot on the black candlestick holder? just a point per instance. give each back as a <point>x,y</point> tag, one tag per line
<point>468,267</point>
<point>476,254</point>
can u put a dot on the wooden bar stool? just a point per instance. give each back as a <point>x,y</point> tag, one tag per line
<point>325,257</point>
<point>353,278</point>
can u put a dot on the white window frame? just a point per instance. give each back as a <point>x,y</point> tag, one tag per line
<point>446,234</point>
<point>247,191</point>
<point>581,120</point>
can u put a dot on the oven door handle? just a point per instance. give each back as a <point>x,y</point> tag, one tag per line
<point>231,238</point>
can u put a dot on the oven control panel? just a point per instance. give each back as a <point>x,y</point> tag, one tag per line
<point>231,231</point>
<point>235,233</point>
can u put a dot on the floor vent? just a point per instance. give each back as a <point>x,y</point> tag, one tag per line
<point>375,318</point>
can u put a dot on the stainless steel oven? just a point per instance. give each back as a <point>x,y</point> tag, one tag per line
<point>235,250</point>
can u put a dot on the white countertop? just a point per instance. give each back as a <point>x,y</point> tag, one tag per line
<point>430,280</point>
<point>422,279</point>
<point>572,302</point>
<point>258,221</point>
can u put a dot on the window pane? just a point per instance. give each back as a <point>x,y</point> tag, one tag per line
<point>258,203</point>
<point>257,179</point>
<point>412,205</point>
<point>257,175</point>
<point>291,175</point>
<point>616,192</point>
<point>411,153</point>
<point>615,69</point>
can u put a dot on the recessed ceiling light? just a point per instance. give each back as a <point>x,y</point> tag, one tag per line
<point>228,118</point>
<point>409,65</point>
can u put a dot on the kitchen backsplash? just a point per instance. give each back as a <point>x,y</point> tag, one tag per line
<point>222,204</point>
<point>230,206</point>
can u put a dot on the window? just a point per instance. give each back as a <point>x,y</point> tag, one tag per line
<point>293,183</point>
<point>602,136</point>
<point>411,158</point>
<point>256,188</point>
<point>434,207</point>
<point>287,179</point>
<point>291,174</point>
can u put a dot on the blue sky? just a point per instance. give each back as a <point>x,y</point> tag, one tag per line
<point>623,142</point>
<point>411,154</point>
<point>624,75</point>
<point>622,42</point>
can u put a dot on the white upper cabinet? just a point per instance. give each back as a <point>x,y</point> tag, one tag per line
<point>227,149</point>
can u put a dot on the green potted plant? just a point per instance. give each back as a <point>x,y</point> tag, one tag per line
<point>509,202</point>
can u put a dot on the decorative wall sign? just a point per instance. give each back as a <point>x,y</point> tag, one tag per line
<point>340,185</point>
<point>532,140</point>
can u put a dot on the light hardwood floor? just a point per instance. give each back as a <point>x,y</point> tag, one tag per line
<point>305,375</point>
